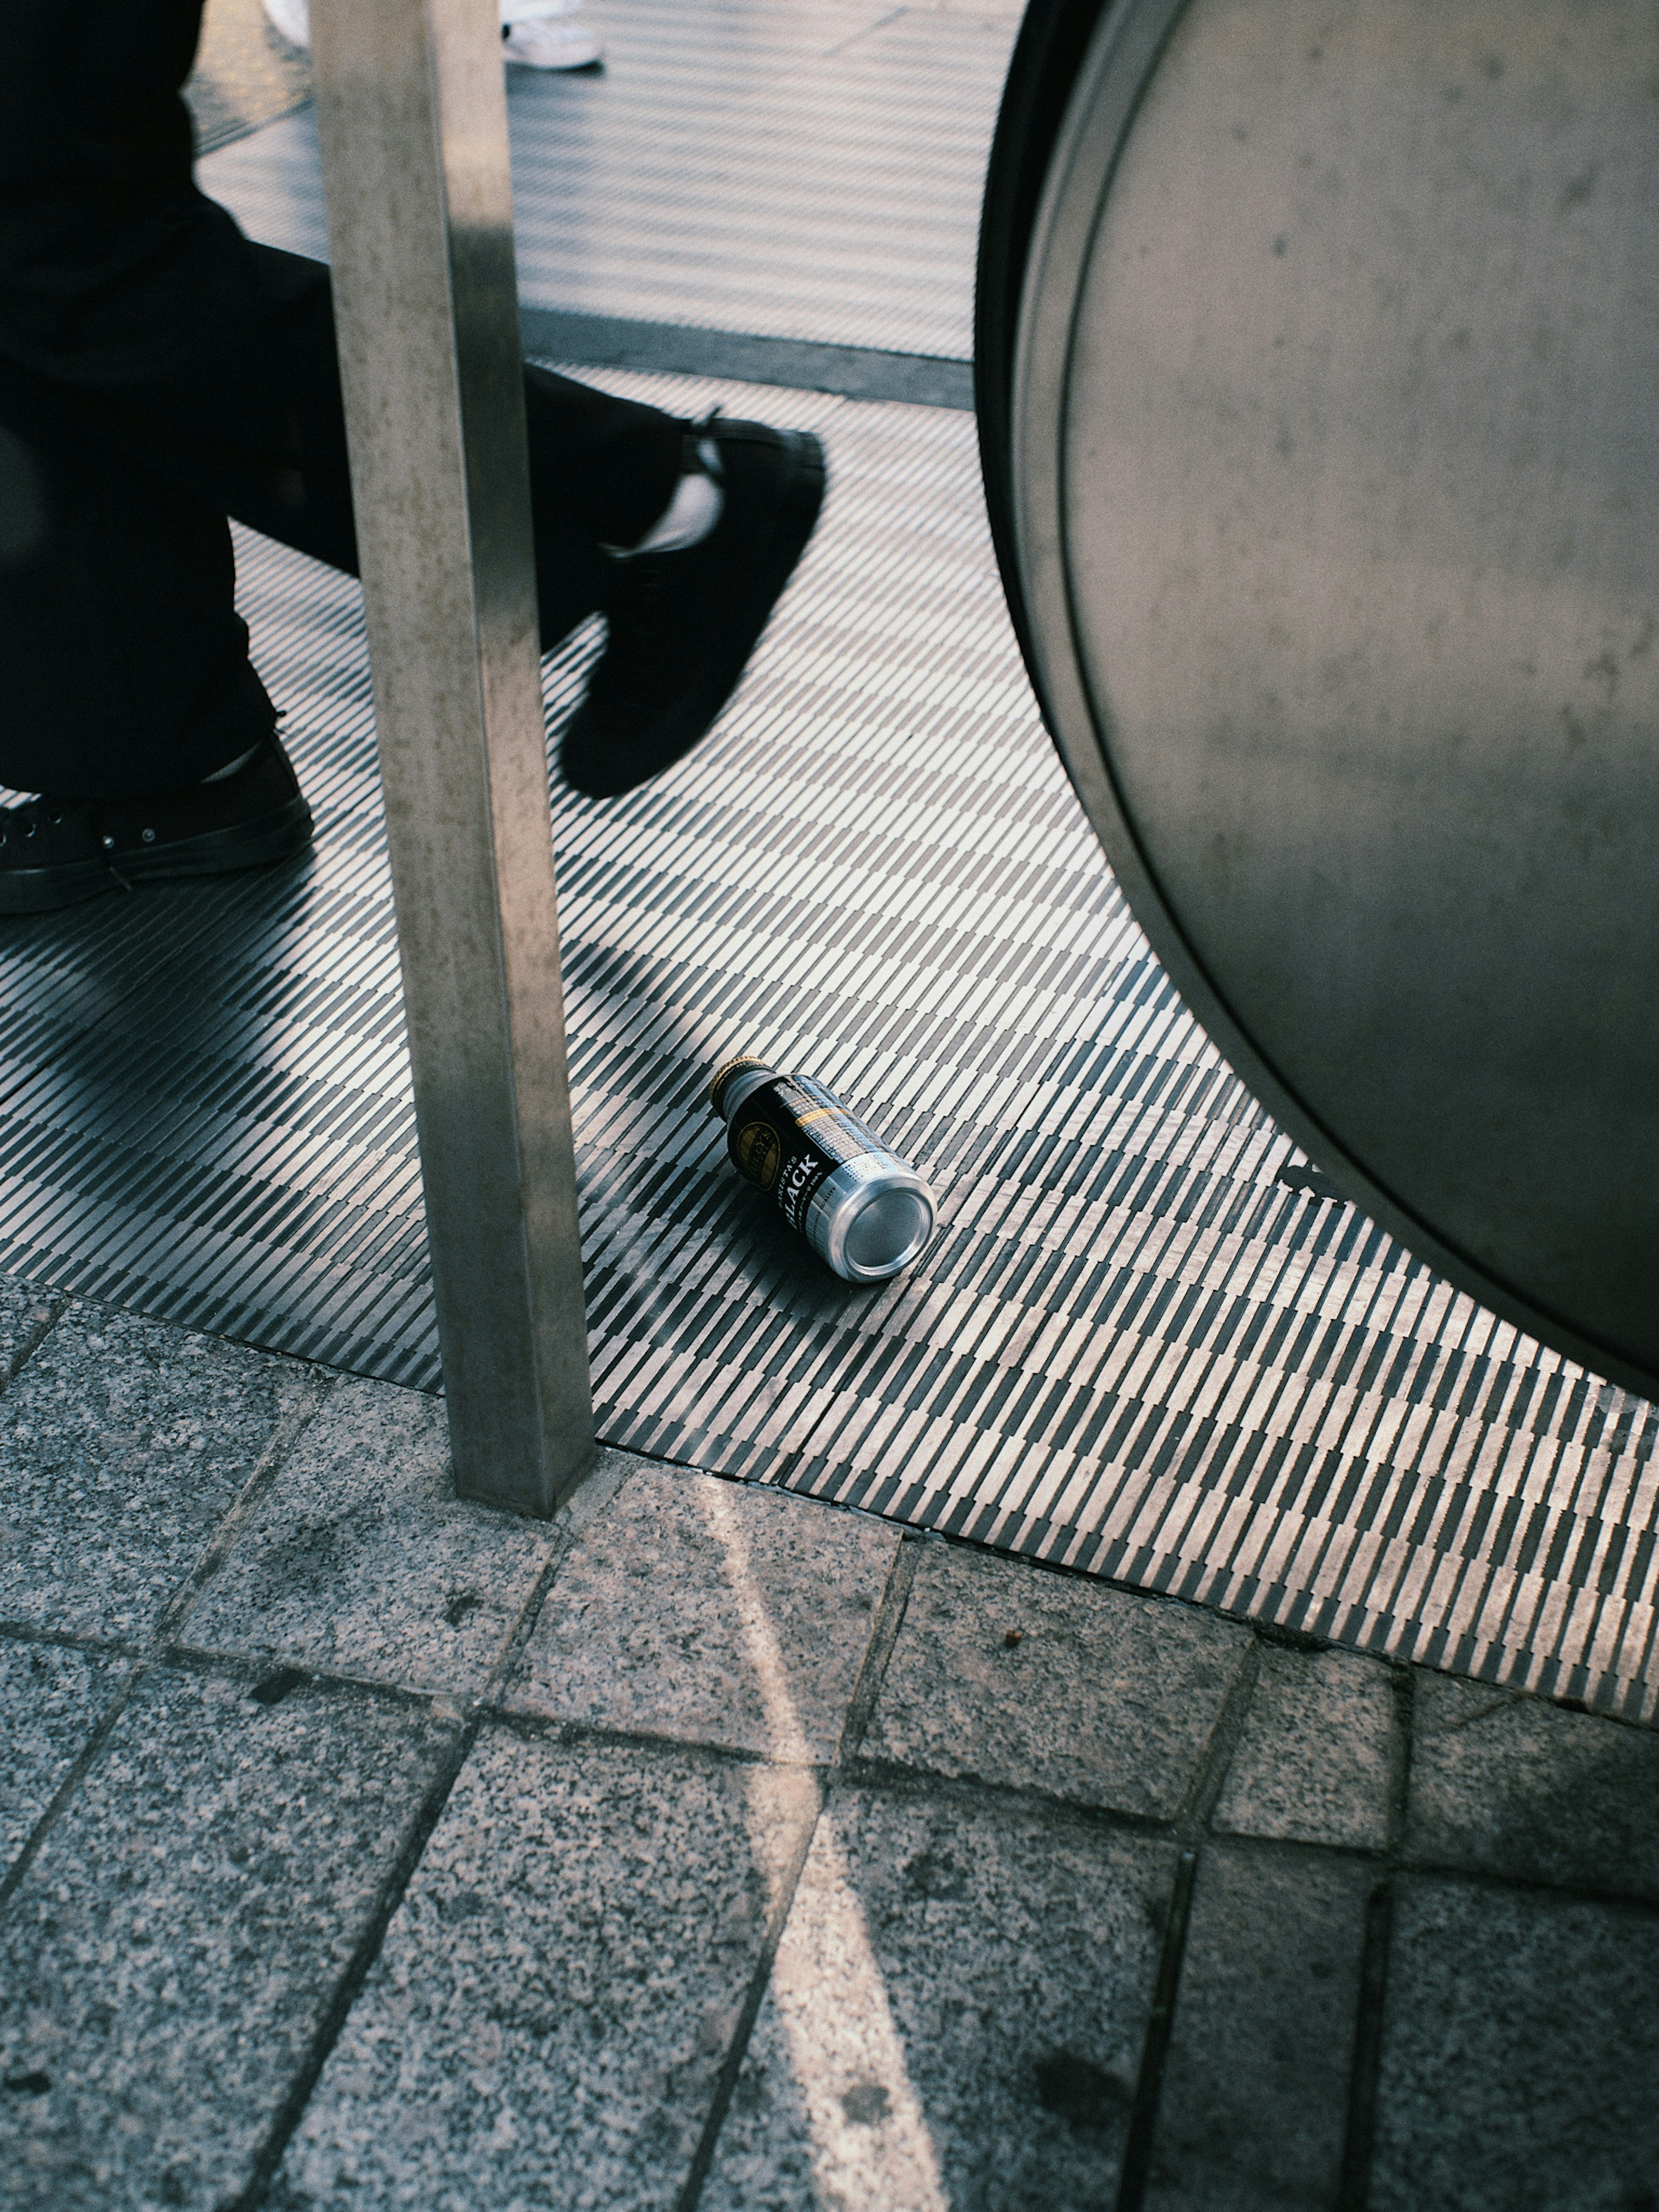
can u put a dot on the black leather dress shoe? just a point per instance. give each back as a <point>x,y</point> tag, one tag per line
<point>683,625</point>
<point>55,852</point>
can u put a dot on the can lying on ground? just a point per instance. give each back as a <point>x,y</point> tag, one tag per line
<point>862,1210</point>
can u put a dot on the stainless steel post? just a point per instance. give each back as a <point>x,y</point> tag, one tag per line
<point>412,116</point>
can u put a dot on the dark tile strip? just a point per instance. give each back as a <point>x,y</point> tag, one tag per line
<point>287,1432</point>
<point>703,2157</point>
<point>1360,2134</point>
<point>268,2157</point>
<point>1149,2086</point>
<point>796,364</point>
<point>72,1782</point>
<point>890,1619</point>
<point>601,1488</point>
<point>883,1634</point>
<point>1404,1686</point>
<point>1190,1824</point>
<point>1195,1816</point>
<point>40,1321</point>
<point>298,1416</point>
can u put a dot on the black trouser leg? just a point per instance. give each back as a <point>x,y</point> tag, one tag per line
<point>123,663</point>
<point>252,424</point>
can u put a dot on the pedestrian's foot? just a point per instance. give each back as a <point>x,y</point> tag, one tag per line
<point>550,39</point>
<point>683,625</point>
<point>537,34</point>
<point>293,19</point>
<point>55,852</point>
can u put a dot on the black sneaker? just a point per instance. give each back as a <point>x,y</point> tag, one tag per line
<point>683,625</point>
<point>54,852</point>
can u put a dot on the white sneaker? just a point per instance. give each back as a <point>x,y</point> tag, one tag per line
<point>292,19</point>
<point>548,42</point>
<point>536,33</point>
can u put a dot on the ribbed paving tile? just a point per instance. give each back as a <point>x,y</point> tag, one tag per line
<point>1133,1347</point>
<point>780,169</point>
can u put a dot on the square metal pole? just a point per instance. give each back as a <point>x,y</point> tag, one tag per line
<point>411,112</point>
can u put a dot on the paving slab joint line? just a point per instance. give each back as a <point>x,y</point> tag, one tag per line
<point>1403,1682</point>
<point>588,1501</point>
<point>593,1494</point>
<point>1525,1885</point>
<point>703,2157</point>
<point>1193,1817</point>
<point>70,1783</point>
<point>1190,1824</point>
<point>313,1395</point>
<point>548,1728</point>
<point>872,1670</point>
<point>1286,1639</point>
<point>890,1619</point>
<point>73,1639</point>
<point>864,31</point>
<point>298,1416</point>
<point>48,1314</point>
<point>1360,2131</point>
<point>256,1674</point>
<point>1382,1864</point>
<point>1149,2082</point>
<point>974,1792</point>
<point>418,1833</point>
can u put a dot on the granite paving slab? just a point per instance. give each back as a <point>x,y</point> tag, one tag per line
<point>122,1443</point>
<point>1516,1785</point>
<point>1049,1682</point>
<point>1521,2052</point>
<point>50,1696</point>
<point>556,1994</point>
<point>171,1951</point>
<point>955,2017</point>
<point>1315,1760</point>
<point>1255,2088</point>
<point>361,1558</point>
<point>713,1611</point>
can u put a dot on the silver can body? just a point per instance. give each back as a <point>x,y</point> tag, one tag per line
<point>865,1212</point>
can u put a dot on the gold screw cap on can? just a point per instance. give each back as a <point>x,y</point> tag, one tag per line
<point>864,1212</point>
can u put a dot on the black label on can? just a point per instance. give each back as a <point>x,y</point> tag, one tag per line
<point>789,1135</point>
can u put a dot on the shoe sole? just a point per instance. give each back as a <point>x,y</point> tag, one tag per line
<point>595,67</point>
<point>615,770</point>
<point>276,836</point>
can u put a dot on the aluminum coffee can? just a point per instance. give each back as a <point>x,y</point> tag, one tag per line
<point>864,1211</point>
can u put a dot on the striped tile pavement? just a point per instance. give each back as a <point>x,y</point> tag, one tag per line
<point>785,170</point>
<point>1148,1342</point>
